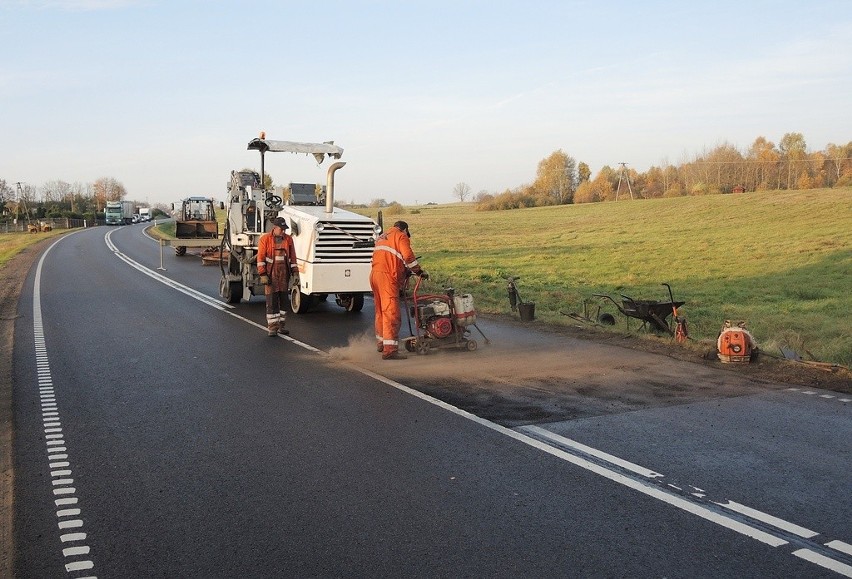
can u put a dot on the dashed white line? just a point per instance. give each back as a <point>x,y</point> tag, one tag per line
<point>55,444</point>
<point>645,488</point>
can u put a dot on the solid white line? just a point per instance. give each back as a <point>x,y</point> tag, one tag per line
<point>769,519</point>
<point>645,488</point>
<point>823,561</point>
<point>640,470</point>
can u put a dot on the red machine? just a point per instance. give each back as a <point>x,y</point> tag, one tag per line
<point>440,321</point>
<point>735,343</point>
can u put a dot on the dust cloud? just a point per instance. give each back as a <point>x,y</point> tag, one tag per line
<point>524,376</point>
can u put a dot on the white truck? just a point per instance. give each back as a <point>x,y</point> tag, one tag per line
<point>334,247</point>
<point>118,212</point>
<point>144,214</point>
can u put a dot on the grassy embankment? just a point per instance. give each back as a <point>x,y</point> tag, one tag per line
<point>11,244</point>
<point>781,261</point>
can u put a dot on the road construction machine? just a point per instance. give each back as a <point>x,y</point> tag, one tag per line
<point>195,218</point>
<point>334,246</point>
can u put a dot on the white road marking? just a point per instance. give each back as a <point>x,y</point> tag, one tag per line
<point>840,546</point>
<point>769,519</point>
<point>55,440</point>
<point>642,487</point>
<point>823,561</point>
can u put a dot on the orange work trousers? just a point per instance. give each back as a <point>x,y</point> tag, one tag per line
<point>388,317</point>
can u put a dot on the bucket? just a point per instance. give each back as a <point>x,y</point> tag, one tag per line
<point>527,311</point>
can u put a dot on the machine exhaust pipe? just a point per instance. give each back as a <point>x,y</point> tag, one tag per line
<point>329,187</point>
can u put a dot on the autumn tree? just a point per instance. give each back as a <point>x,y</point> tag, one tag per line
<point>793,150</point>
<point>838,157</point>
<point>107,189</point>
<point>763,159</point>
<point>557,177</point>
<point>583,172</point>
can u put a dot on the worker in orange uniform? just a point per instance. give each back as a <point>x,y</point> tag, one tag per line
<point>392,260</point>
<point>276,262</point>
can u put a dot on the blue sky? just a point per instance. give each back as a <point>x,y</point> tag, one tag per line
<point>164,95</point>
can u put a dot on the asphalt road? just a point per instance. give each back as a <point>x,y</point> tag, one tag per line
<point>160,433</point>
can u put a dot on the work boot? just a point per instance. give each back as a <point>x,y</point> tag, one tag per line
<point>282,331</point>
<point>272,330</point>
<point>394,355</point>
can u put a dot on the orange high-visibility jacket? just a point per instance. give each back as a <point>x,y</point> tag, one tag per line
<point>393,254</point>
<point>267,261</point>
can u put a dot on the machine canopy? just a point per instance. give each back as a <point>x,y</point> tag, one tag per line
<point>318,150</point>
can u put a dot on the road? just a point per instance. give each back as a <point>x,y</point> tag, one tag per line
<point>159,432</point>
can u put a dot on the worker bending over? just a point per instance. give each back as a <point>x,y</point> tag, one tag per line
<point>276,262</point>
<point>392,259</point>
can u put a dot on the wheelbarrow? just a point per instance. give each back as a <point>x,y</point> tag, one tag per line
<point>652,313</point>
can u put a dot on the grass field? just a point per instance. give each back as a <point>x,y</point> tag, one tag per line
<point>781,261</point>
<point>11,244</point>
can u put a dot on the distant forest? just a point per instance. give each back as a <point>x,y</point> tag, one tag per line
<point>560,179</point>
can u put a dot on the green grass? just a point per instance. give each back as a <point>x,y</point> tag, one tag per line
<point>11,244</point>
<point>781,261</point>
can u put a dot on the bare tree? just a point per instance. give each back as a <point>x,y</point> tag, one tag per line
<point>461,190</point>
<point>6,193</point>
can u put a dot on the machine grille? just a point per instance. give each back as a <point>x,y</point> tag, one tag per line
<point>336,242</point>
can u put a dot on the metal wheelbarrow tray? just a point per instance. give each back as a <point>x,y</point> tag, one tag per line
<point>651,312</point>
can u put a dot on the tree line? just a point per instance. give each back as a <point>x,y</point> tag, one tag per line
<point>57,199</point>
<point>560,179</point>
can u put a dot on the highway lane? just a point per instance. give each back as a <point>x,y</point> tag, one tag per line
<point>199,447</point>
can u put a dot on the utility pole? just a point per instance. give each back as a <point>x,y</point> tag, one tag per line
<point>626,176</point>
<point>21,200</point>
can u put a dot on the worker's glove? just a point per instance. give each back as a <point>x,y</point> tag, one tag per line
<point>264,279</point>
<point>424,275</point>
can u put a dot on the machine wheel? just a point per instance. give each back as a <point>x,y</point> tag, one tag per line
<point>300,303</point>
<point>422,347</point>
<point>180,250</point>
<point>409,346</point>
<point>355,304</point>
<point>471,345</point>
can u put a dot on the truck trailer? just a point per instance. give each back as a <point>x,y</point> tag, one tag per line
<point>119,212</point>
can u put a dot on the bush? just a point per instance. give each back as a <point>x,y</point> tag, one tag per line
<point>395,209</point>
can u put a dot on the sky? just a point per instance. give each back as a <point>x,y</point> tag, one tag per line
<point>164,96</point>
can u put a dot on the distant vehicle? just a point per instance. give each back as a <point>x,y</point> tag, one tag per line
<point>195,218</point>
<point>118,212</point>
<point>135,218</point>
<point>144,214</point>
